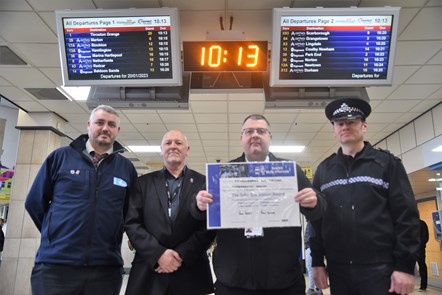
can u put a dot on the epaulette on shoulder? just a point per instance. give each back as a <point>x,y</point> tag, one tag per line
<point>390,154</point>
<point>385,151</point>
<point>331,156</point>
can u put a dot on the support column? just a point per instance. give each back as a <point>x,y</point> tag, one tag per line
<point>39,135</point>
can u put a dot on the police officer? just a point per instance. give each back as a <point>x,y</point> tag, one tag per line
<point>369,233</point>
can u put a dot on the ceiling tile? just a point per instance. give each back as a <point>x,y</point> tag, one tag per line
<point>413,91</point>
<point>208,96</point>
<point>26,77</point>
<point>397,105</point>
<point>406,52</point>
<point>252,107</point>
<point>213,136</point>
<point>402,73</point>
<point>307,127</point>
<point>183,127</point>
<point>193,20</point>
<point>195,5</point>
<point>382,117</point>
<point>425,26</point>
<point>210,118</point>
<point>254,31</point>
<point>15,5</point>
<point>14,27</point>
<point>60,107</point>
<point>155,128</point>
<point>214,143</point>
<point>406,118</point>
<point>151,118</point>
<point>3,82</point>
<point>16,95</point>
<point>208,106</point>
<point>54,74</point>
<point>311,118</point>
<point>430,74</point>
<point>177,118</point>
<point>123,136</point>
<point>437,59</point>
<point>44,5</point>
<point>40,55</point>
<point>212,128</point>
<point>136,142</point>
<point>393,3</point>
<point>297,136</point>
<point>127,127</point>
<point>424,105</point>
<point>280,118</point>
<point>31,106</point>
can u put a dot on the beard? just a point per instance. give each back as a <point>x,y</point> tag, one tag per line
<point>100,141</point>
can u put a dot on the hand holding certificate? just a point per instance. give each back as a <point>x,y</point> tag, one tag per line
<point>253,194</point>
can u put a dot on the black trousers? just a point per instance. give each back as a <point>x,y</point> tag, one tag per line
<point>53,279</point>
<point>297,289</point>
<point>423,271</point>
<point>371,279</point>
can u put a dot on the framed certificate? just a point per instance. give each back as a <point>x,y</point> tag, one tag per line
<point>252,194</point>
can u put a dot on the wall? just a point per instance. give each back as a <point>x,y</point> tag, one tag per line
<point>11,136</point>
<point>414,143</point>
<point>433,251</point>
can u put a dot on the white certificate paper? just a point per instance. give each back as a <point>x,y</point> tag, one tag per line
<point>253,194</point>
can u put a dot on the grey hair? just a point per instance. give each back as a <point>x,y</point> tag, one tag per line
<point>256,117</point>
<point>105,108</point>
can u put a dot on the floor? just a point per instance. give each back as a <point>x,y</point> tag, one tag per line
<point>430,290</point>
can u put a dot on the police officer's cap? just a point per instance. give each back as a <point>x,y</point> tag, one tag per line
<point>347,109</point>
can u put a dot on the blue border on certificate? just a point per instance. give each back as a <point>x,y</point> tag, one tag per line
<point>216,171</point>
<point>269,169</point>
<point>214,216</point>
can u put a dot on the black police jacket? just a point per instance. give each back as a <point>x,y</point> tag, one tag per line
<point>371,215</point>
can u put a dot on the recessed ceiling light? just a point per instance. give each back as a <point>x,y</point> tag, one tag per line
<point>435,179</point>
<point>437,149</point>
<point>75,93</point>
<point>144,148</point>
<point>287,149</point>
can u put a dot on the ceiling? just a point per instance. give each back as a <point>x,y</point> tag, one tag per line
<point>213,121</point>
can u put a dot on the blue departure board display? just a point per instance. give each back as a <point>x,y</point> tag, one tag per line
<point>333,47</point>
<point>128,47</point>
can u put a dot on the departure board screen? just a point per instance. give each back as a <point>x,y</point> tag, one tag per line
<point>344,47</point>
<point>125,47</point>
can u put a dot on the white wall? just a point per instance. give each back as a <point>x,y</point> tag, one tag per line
<point>415,141</point>
<point>11,136</point>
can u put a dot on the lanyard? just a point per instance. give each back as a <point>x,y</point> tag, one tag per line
<point>170,198</point>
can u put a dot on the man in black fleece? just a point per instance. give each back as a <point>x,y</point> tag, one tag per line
<point>267,262</point>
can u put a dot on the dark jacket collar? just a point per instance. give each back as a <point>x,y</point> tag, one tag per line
<point>368,152</point>
<point>272,158</point>
<point>168,174</point>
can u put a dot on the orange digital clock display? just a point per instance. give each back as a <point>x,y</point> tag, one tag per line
<point>225,56</point>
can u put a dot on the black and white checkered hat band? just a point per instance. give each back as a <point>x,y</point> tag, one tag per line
<point>346,109</point>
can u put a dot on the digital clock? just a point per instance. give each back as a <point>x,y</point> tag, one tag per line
<point>225,56</point>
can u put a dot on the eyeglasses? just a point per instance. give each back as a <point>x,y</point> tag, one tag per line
<point>251,131</point>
